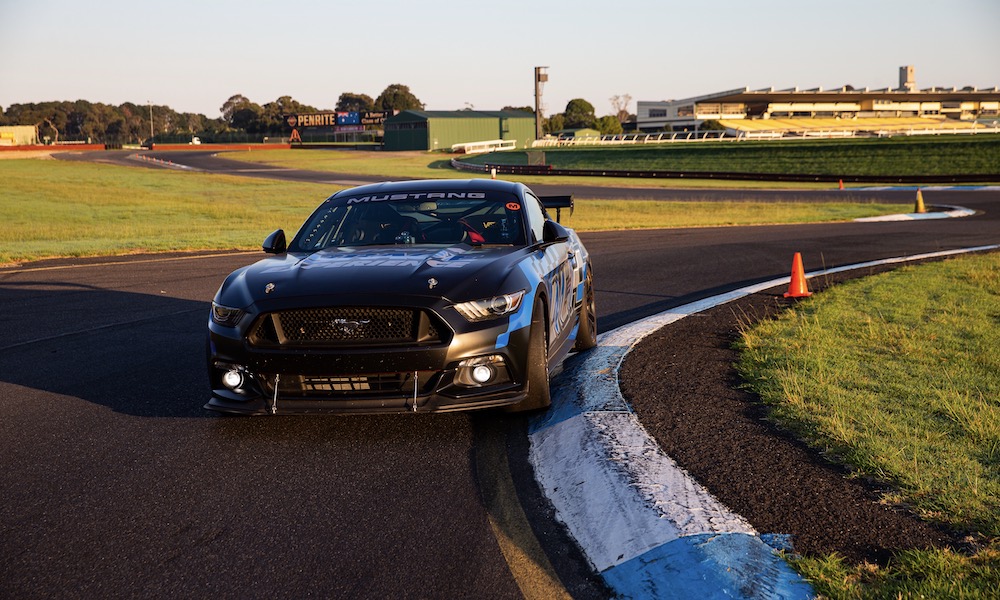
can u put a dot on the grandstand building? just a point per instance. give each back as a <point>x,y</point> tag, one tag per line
<point>845,111</point>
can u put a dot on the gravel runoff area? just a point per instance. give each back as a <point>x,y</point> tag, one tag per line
<point>685,390</point>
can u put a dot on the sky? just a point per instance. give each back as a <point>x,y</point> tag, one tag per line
<point>192,55</point>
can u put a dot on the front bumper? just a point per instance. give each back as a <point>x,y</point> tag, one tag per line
<point>364,380</point>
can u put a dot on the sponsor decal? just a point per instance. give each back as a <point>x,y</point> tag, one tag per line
<point>372,118</point>
<point>376,117</point>
<point>328,119</point>
<point>450,258</point>
<point>417,196</point>
<point>553,268</point>
<point>513,206</point>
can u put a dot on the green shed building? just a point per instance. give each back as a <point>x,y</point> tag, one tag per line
<point>440,129</point>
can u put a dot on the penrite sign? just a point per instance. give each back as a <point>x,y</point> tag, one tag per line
<point>353,120</point>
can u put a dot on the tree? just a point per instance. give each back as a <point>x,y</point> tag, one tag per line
<point>351,102</point>
<point>249,118</point>
<point>554,123</point>
<point>579,114</point>
<point>609,125</point>
<point>620,104</point>
<point>240,113</point>
<point>136,126</point>
<point>711,125</point>
<point>273,114</point>
<point>235,103</point>
<point>529,109</point>
<point>105,123</point>
<point>397,97</point>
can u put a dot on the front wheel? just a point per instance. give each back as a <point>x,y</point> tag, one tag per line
<point>537,378</point>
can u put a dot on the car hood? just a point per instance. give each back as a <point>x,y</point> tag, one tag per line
<point>456,273</point>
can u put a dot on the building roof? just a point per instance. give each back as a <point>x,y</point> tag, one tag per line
<point>844,94</point>
<point>469,114</point>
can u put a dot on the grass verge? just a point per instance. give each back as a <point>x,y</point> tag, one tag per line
<point>53,208</point>
<point>897,375</point>
<point>914,156</point>
<point>426,165</point>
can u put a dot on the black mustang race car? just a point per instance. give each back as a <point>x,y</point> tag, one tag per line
<point>410,296</point>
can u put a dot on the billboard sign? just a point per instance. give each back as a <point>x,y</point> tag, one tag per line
<point>368,119</point>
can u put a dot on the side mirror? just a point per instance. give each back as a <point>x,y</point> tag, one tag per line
<point>553,232</point>
<point>275,243</point>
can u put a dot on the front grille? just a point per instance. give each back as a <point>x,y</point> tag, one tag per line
<point>349,386</point>
<point>344,326</point>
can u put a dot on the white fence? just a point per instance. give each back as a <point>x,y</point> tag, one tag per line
<point>629,138</point>
<point>487,146</point>
<point>737,136</point>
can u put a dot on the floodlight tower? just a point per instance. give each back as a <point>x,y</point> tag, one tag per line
<point>540,78</point>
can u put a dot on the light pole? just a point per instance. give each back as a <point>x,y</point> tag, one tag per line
<point>540,78</point>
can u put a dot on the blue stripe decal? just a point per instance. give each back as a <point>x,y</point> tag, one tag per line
<point>518,320</point>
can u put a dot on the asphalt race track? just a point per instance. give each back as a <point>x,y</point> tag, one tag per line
<point>116,483</point>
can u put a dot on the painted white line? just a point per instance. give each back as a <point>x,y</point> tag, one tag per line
<point>647,526</point>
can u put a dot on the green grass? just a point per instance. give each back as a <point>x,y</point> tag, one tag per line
<point>949,155</point>
<point>898,376</point>
<point>53,208</point>
<point>911,574</point>
<point>592,215</point>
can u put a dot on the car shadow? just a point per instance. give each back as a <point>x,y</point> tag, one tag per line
<point>134,353</point>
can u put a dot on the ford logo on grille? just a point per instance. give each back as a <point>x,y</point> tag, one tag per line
<point>348,326</point>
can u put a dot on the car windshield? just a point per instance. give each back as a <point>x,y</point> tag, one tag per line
<point>474,218</point>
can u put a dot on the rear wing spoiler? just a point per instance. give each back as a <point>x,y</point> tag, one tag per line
<point>558,203</point>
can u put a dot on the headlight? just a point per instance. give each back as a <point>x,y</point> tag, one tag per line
<point>490,308</point>
<point>224,315</point>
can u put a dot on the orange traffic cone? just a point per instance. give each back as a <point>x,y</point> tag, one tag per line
<point>797,288</point>
<point>841,184</point>
<point>919,207</point>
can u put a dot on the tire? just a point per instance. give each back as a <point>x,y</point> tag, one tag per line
<point>586,335</point>
<point>539,397</point>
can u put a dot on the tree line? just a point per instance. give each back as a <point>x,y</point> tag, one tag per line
<point>241,118</point>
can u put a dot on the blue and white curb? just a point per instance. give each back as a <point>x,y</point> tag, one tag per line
<point>644,523</point>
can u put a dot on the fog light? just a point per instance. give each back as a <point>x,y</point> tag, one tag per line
<point>484,370</point>
<point>482,374</point>
<point>232,379</point>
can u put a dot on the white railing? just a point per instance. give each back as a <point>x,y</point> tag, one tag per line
<point>733,135</point>
<point>629,138</point>
<point>487,146</point>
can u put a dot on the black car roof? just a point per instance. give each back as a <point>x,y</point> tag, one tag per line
<point>437,185</point>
